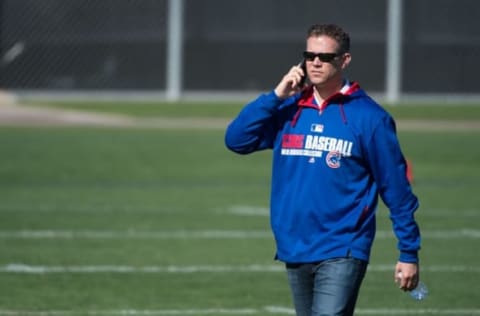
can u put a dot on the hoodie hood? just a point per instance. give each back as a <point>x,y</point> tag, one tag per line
<point>307,100</point>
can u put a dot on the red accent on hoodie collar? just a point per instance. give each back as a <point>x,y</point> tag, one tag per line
<point>308,99</point>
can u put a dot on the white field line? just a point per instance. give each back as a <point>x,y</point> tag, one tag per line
<point>239,210</point>
<point>132,234</point>
<point>47,208</point>
<point>173,269</point>
<point>249,210</point>
<point>134,312</point>
<point>277,310</point>
<point>201,234</point>
<point>246,210</point>
<point>429,311</point>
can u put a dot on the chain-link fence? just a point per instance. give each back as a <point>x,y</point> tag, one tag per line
<point>228,45</point>
<point>82,44</point>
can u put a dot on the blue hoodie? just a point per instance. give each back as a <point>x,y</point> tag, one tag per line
<point>330,163</point>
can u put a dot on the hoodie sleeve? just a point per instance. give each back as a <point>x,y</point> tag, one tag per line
<point>254,127</point>
<point>388,166</point>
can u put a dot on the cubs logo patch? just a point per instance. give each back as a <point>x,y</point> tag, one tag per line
<point>333,159</point>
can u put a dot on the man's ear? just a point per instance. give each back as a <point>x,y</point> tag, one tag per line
<point>346,59</point>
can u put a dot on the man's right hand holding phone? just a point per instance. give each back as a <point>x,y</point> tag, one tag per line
<point>291,83</point>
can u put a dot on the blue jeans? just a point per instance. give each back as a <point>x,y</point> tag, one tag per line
<point>326,288</point>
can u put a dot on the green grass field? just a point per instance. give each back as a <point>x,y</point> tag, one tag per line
<point>112,221</point>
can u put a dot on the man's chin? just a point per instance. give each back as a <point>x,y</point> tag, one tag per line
<point>318,82</point>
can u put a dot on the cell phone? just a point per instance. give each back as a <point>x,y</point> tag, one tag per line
<point>303,65</point>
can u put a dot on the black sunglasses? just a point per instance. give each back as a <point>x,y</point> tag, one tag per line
<point>324,57</point>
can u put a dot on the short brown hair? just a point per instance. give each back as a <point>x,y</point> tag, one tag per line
<point>334,31</point>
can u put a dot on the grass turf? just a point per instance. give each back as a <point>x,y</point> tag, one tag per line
<point>150,181</point>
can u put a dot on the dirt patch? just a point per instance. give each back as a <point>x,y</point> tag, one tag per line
<point>12,114</point>
<point>16,115</point>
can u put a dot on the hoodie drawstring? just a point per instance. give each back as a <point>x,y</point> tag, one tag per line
<point>296,116</point>
<point>342,113</point>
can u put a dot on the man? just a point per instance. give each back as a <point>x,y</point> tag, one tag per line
<point>334,151</point>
